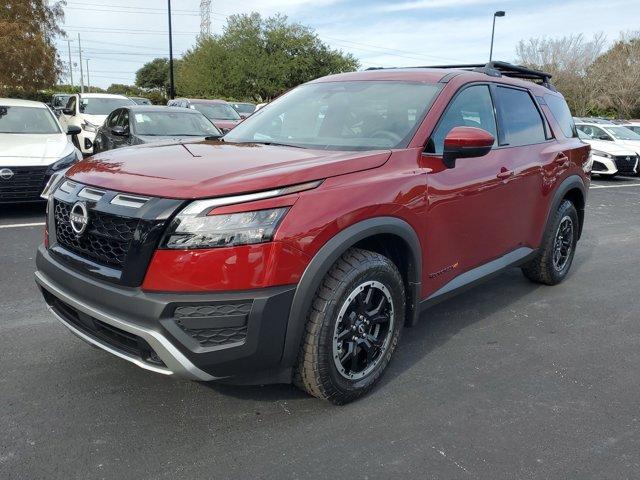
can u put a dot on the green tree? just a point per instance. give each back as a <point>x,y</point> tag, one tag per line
<point>257,59</point>
<point>154,74</point>
<point>28,55</point>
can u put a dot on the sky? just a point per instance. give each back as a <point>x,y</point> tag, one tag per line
<point>119,36</point>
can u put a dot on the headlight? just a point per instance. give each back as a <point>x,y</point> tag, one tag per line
<point>52,184</point>
<point>189,231</point>
<point>64,162</point>
<point>588,165</point>
<point>600,153</point>
<point>89,127</point>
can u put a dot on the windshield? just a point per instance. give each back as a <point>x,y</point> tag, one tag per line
<point>623,133</point>
<point>27,120</point>
<point>60,100</point>
<point>584,136</point>
<point>180,124</point>
<point>364,115</point>
<point>244,107</point>
<point>102,106</point>
<point>217,111</point>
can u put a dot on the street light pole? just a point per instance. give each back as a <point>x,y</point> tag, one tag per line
<point>171,86</point>
<point>499,13</point>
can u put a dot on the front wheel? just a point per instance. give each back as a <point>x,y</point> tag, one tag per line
<point>353,327</point>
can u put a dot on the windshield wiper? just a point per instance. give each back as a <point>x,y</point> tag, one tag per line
<point>278,144</point>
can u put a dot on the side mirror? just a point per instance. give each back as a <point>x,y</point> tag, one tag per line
<point>606,138</point>
<point>73,130</point>
<point>119,131</point>
<point>465,142</point>
<point>68,111</point>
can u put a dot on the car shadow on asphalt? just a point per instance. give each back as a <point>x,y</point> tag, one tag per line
<point>9,212</point>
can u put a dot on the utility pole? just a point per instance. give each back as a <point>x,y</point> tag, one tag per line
<point>81,73</point>
<point>88,81</point>
<point>70,62</point>
<point>172,91</point>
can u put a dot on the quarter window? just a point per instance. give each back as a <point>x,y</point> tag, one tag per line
<point>562,114</point>
<point>521,120</point>
<point>470,108</point>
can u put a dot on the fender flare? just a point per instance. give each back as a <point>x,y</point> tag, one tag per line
<point>569,183</point>
<point>327,256</point>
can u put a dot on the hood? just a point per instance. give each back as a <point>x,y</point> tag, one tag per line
<point>631,144</point>
<point>203,169</point>
<point>225,124</point>
<point>611,147</point>
<point>17,149</point>
<point>97,120</point>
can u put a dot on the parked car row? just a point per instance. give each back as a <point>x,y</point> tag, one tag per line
<point>615,146</point>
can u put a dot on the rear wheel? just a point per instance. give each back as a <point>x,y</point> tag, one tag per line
<point>353,327</point>
<point>555,257</point>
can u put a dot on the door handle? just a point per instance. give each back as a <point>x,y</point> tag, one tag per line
<point>504,174</point>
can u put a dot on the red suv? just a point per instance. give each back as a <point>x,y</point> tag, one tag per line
<point>296,247</point>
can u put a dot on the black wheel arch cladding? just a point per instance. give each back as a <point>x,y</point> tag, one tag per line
<point>330,252</point>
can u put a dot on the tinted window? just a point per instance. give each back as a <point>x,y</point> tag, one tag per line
<point>123,119</point>
<point>562,114</point>
<point>111,120</point>
<point>470,108</point>
<point>521,120</point>
<point>71,104</point>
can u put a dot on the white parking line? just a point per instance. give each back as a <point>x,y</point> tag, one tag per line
<point>597,187</point>
<point>20,225</point>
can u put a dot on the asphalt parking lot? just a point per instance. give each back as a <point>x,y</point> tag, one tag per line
<point>508,381</point>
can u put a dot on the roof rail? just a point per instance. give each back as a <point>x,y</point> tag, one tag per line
<point>498,69</point>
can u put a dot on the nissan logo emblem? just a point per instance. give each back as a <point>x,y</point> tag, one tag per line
<point>6,174</point>
<point>79,218</point>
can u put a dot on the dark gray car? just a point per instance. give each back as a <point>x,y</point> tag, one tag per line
<point>138,124</point>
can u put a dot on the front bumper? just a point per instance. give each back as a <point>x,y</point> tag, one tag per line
<point>235,335</point>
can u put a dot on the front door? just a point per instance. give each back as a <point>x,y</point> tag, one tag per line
<point>469,217</point>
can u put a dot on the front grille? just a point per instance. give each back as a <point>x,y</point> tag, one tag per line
<point>215,324</point>
<point>626,163</point>
<point>26,184</point>
<point>106,240</point>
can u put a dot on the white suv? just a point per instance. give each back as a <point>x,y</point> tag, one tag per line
<point>88,111</point>
<point>33,147</point>
<point>609,133</point>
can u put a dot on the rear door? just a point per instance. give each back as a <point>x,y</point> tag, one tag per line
<point>533,161</point>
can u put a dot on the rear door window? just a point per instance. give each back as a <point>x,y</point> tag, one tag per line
<point>521,121</point>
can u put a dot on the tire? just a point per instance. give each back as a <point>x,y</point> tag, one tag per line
<point>551,266</point>
<point>359,280</point>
